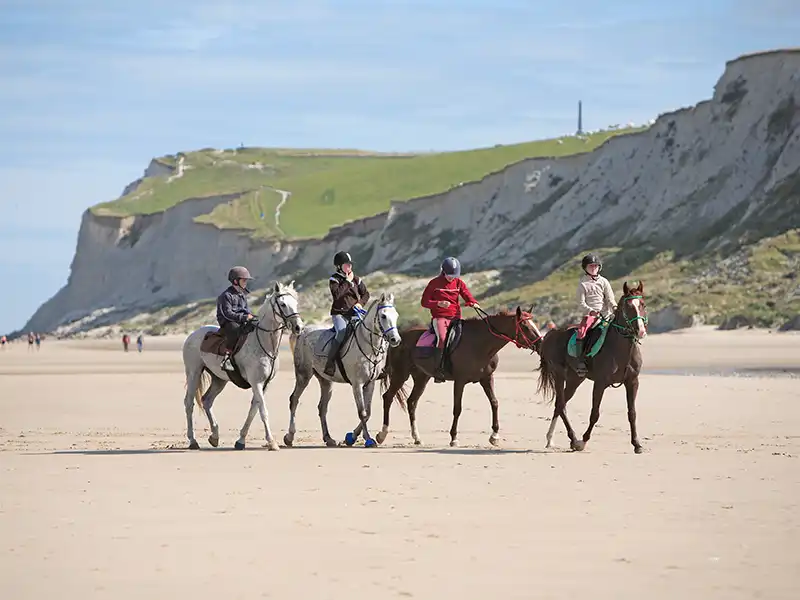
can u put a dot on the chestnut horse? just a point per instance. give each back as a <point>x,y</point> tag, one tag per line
<point>617,363</point>
<point>474,360</point>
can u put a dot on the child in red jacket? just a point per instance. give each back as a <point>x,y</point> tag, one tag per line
<point>441,297</point>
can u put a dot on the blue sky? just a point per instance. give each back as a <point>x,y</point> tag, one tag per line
<point>90,90</point>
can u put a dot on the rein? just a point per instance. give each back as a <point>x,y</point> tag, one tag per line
<point>276,310</point>
<point>517,331</point>
<point>626,331</point>
<point>376,351</point>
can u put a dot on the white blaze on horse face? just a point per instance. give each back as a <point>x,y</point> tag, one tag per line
<point>388,321</point>
<point>535,328</point>
<point>640,328</point>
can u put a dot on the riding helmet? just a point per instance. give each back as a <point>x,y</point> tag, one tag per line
<point>451,266</point>
<point>341,258</point>
<point>592,259</point>
<point>238,273</point>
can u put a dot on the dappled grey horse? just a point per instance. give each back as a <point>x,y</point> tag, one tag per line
<point>363,356</point>
<point>257,361</point>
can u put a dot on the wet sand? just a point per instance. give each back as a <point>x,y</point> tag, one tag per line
<point>99,500</point>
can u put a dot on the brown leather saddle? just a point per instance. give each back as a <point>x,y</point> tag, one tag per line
<point>214,343</point>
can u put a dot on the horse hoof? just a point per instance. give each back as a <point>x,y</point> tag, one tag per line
<point>578,446</point>
<point>214,441</point>
<point>494,440</point>
<point>273,446</point>
<point>638,449</point>
<point>381,437</point>
<point>331,443</point>
<point>418,442</point>
<point>287,441</point>
<point>349,439</point>
<point>193,445</point>
<point>238,445</point>
<point>370,443</point>
<point>454,443</point>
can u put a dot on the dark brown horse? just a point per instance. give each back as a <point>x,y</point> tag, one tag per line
<point>473,360</point>
<point>617,363</point>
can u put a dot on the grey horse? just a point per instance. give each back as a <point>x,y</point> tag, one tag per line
<point>363,357</point>
<point>257,361</point>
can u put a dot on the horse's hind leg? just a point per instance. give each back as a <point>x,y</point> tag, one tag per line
<point>398,377</point>
<point>301,381</point>
<point>420,383</point>
<point>192,385</point>
<point>597,398</point>
<point>326,391</point>
<point>572,384</point>
<point>561,409</point>
<point>487,383</point>
<point>631,389</point>
<point>217,385</point>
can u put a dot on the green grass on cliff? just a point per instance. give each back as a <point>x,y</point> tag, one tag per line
<point>328,187</point>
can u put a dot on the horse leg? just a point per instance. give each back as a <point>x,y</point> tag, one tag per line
<point>487,383</point>
<point>217,385</point>
<point>396,381</point>
<point>368,391</point>
<point>458,393</point>
<point>192,383</point>
<point>561,410</point>
<point>420,383</point>
<point>326,391</point>
<point>597,398</point>
<point>256,406</point>
<point>301,381</point>
<point>367,407</point>
<point>572,384</point>
<point>631,389</point>
<point>358,396</point>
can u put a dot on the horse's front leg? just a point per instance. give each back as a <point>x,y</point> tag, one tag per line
<point>487,383</point>
<point>631,390</point>
<point>358,396</point>
<point>458,394</point>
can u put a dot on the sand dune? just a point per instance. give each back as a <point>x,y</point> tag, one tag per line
<point>97,501</point>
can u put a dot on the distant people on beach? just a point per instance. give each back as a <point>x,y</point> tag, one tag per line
<point>140,342</point>
<point>38,339</point>
<point>126,339</point>
<point>30,341</point>
<point>3,342</point>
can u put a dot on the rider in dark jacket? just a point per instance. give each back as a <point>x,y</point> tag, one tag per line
<point>349,295</point>
<point>232,310</point>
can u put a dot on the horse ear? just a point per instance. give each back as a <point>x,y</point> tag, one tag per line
<point>291,284</point>
<point>641,287</point>
<point>625,289</point>
<point>390,298</point>
<point>277,287</point>
<point>519,312</point>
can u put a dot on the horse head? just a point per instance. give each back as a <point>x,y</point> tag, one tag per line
<point>386,315</point>
<point>282,300</point>
<point>631,311</point>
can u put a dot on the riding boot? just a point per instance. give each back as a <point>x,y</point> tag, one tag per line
<point>579,347</point>
<point>438,375</point>
<point>330,367</point>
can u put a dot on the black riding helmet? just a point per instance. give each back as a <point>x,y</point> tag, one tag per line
<point>591,259</point>
<point>341,258</point>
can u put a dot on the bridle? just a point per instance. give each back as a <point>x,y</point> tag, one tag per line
<point>527,343</point>
<point>628,329</point>
<point>376,351</point>
<point>277,311</point>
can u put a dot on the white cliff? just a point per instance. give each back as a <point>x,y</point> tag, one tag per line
<point>722,171</point>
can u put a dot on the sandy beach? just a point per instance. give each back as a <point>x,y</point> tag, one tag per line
<point>99,498</point>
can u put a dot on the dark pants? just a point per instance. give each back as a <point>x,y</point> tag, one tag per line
<point>232,332</point>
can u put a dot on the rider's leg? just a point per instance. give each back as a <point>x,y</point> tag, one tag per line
<point>339,324</point>
<point>231,331</point>
<point>440,326</point>
<point>583,329</point>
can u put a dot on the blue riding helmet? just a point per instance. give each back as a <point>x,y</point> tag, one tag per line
<point>451,266</point>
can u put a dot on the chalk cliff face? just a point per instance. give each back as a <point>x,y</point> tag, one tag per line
<point>723,171</point>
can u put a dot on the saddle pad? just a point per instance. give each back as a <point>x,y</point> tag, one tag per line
<point>572,346</point>
<point>323,342</point>
<point>213,343</point>
<point>427,340</point>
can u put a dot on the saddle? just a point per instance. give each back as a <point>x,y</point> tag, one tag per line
<point>426,344</point>
<point>324,341</point>
<point>594,339</point>
<point>214,343</point>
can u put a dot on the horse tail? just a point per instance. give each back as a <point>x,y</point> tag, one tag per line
<point>547,380</point>
<point>202,386</point>
<point>401,395</point>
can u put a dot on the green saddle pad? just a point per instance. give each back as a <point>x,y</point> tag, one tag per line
<point>572,347</point>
